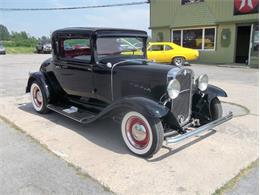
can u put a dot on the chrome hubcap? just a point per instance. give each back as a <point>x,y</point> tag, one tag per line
<point>37,96</point>
<point>139,132</point>
<point>178,61</point>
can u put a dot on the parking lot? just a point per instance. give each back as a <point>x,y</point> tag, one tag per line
<point>199,165</point>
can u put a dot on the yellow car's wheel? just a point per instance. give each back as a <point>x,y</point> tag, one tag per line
<point>178,61</point>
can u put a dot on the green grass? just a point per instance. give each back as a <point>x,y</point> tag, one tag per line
<point>19,50</point>
<point>231,183</point>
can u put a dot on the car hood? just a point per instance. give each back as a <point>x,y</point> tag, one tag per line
<point>148,80</point>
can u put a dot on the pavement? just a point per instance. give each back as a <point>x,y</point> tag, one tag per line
<point>199,165</point>
<point>248,185</point>
<point>28,168</point>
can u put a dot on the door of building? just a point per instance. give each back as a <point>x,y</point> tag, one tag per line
<point>243,44</point>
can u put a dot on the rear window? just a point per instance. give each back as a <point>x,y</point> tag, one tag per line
<point>167,48</point>
<point>156,48</point>
<point>77,49</point>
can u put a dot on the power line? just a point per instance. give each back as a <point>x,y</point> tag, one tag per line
<point>73,8</point>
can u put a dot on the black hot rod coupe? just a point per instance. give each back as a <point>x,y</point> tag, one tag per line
<point>97,72</point>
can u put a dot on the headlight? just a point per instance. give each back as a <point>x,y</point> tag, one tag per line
<point>202,82</point>
<point>173,88</point>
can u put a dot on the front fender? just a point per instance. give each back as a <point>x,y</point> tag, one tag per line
<point>140,104</point>
<point>201,102</point>
<point>214,91</point>
<point>39,77</point>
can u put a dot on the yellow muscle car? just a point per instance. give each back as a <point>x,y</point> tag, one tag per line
<point>168,52</point>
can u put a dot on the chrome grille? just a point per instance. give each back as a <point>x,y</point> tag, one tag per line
<point>181,106</point>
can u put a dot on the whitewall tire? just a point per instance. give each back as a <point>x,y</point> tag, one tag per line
<point>143,137</point>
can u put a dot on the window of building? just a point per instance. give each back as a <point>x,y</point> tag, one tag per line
<point>176,37</point>
<point>159,37</point>
<point>76,49</point>
<point>209,40</point>
<point>199,38</point>
<point>192,38</point>
<point>188,2</point>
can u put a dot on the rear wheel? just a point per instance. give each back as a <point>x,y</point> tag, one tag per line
<point>178,61</point>
<point>38,97</point>
<point>216,110</point>
<point>142,136</point>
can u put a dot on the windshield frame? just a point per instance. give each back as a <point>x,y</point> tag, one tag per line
<point>143,56</point>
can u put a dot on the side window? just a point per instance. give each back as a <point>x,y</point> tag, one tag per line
<point>77,49</point>
<point>156,48</point>
<point>168,47</point>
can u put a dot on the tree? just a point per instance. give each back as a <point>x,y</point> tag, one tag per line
<point>4,33</point>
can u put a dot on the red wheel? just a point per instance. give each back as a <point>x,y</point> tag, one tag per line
<point>142,137</point>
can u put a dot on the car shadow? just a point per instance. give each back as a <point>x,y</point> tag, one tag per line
<point>104,133</point>
<point>172,151</point>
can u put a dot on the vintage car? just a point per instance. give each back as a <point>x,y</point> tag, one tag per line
<point>43,48</point>
<point>91,75</point>
<point>168,52</point>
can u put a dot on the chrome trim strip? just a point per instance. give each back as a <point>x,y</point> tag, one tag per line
<point>178,138</point>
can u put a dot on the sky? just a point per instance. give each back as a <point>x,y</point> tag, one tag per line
<point>39,23</point>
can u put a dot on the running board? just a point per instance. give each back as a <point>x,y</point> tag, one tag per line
<point>208,126</point>
<point>74,113</point>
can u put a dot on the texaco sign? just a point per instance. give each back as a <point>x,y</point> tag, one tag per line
<point>245,6</point>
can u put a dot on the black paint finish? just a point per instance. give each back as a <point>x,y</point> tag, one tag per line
<point>131,85</point>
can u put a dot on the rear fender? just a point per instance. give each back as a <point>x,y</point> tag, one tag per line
<point>41,78</point>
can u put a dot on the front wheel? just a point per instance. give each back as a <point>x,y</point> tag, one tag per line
<point>142,136</point>
<point>216,109</point>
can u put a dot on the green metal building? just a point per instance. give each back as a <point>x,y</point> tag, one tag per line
<point>224,31</point>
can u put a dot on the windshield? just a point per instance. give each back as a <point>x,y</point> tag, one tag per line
<point>120,47</point>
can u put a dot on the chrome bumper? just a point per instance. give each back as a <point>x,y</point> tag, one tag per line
<point>208,126</point>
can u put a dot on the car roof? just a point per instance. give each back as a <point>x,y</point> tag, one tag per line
<point>164,43</point>
<point>101,31</point>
